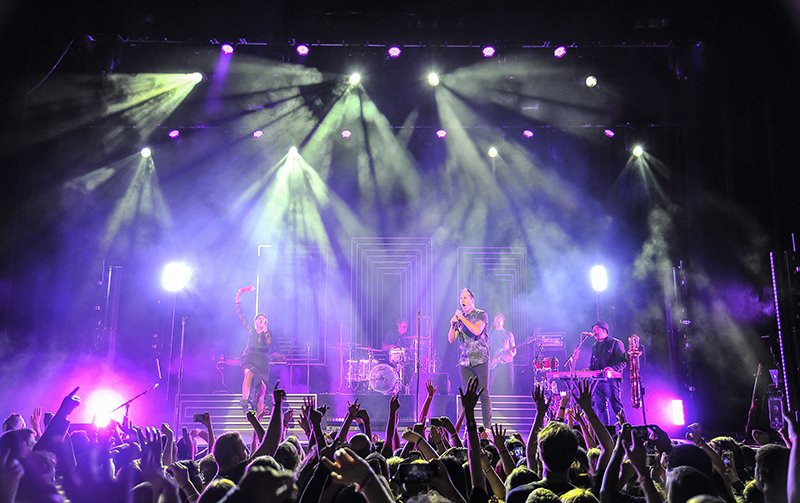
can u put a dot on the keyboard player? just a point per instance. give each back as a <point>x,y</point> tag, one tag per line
<point>608,353</point>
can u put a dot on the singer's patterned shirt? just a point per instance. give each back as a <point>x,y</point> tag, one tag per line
<point>474,348</point>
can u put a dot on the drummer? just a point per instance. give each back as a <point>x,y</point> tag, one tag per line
<point>395,338</point>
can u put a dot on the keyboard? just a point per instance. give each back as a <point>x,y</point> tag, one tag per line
<point>585,374</point>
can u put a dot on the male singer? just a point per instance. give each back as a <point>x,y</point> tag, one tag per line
<point>469,326</point>
<point>608,353</point>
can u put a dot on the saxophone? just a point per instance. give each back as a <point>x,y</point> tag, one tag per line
<point>636,383</point>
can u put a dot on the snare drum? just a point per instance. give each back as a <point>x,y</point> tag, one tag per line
<point>396,356</point>
<point>383,379</point>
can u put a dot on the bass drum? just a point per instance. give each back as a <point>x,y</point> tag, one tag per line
<point>383,379</point>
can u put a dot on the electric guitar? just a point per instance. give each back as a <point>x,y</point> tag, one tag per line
<point>503,355</point>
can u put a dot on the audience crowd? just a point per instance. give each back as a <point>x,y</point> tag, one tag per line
<point>568,456</point>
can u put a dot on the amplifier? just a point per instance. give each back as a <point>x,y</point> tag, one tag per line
<point>553,340</point>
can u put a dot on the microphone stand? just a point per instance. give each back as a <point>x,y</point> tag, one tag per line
<point>575,354</point>
<point>127,404</point>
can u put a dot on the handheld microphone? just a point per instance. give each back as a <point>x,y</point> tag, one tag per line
<point>588,334</point>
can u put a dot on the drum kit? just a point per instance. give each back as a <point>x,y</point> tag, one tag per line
<point>388,372</point>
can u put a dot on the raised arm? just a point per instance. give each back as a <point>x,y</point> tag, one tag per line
<point>239,304</point>
<point>635,448</point>
<point>394,406</point>
<point>584,398</point>
<point>352,412</point>
<point>470,399</point>
<point>271,440</point>
<point>793,479</point>
<point>610,486</point>
<point>541,409</point>
<point>499,440</point>
<point>423,415</point>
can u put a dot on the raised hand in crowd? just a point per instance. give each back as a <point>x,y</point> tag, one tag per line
<point>164,489</point>
<point>348,468</point>
<point>36,421</point>
<point>499,441</point>
<point>469,399</point>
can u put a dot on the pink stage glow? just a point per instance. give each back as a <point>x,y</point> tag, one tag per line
<point>560,52</point>
<point>227,49</point>
<point>527,133</point>
<point>441,133</point>
<point>100,404</point>
<point>609,132</point>
<point>346,134</point>
<point>302,50</point>
<point>258,134</point>
<point>488,51</point>
<point>394,52</point>
<point>174,133</point>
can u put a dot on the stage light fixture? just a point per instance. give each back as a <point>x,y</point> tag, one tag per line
<point>441,133</point>
<point>394,52</point>
<point>346,134</point>
<point>227,49</point>
<point>591,81</point>
<point>146,152</point>
<point>433,79</point>
<point>174,134</point>
<point>527,133</point>
<point>609,132</point>
<point>677,412</point>
<point>488,51</point>
<point>355,79</point>
<point>560,52</point>
<point>176,276</point>
<point>258,133</point>
<point>637,151</point>
<point>197,76</point>
<point>302,50</point>
<point>492,152</point>
<point>599,278</point>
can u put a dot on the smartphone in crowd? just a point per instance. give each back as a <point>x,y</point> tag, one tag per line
<point>727,456</point>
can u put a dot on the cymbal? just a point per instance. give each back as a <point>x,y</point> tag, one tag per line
<point>366,348</point>
<point>414,337</point>
<point>344,346</point>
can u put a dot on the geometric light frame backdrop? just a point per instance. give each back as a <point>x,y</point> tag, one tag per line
<point>292,290</point>
<point>390,278</point>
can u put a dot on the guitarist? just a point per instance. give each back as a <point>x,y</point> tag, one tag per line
<point>503,348</point>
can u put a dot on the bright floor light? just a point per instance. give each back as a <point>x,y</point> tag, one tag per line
<point>591,81</point>
<point>638,151</point>
<point>488,51</point>
<point>100,404</point>
<point>146,152</point>
<point>227,49</point>
<point>355,79</point>
<point>599,278</point>
<point>492,152</point>
<point>560,52</point>
<point>302,50</point>
<point>527,133</point>
<point>394,52</point>
<point>176,276</point>
<point>433,79</point>
<point>677,412</point>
